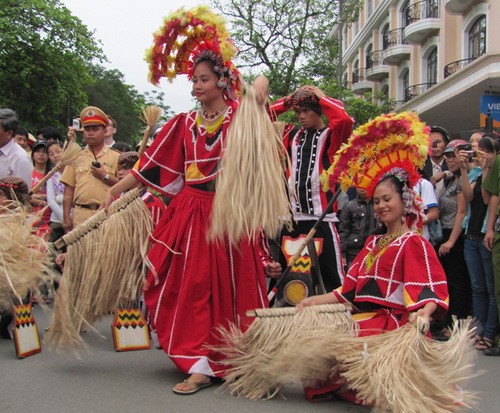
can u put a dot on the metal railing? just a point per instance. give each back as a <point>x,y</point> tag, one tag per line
<point>426,9</point>
<point>453,67</point>
<point>416,90</point>
<point>393,38</point>
<point>358,75</point>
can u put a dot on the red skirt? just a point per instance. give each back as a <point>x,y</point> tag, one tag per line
<point>195,286</point>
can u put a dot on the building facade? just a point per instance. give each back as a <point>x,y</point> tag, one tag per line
<point>435,57</point>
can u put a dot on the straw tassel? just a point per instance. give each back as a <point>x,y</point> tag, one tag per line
<point>24,258</point>
<point>251,187</point>
<point>399,371</point>
<point>103,268</point>
<point>150,116</point>
<point>251,356</point>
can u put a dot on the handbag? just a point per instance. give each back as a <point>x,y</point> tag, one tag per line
<point>435,232</point>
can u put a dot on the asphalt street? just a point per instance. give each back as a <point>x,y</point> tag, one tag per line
<point>104,381</point>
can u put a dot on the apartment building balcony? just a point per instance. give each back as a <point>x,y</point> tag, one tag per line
<point>375,70</point>
<point>457,6</point>
<point>395,47</point>
<point>454,67</point>
<point>416,90</point>
<point>359,82</point>
<point>422,21</point>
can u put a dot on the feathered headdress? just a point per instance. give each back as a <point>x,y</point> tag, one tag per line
<point>396,140</point>
<point>186,37</point>
<point>393,144</point>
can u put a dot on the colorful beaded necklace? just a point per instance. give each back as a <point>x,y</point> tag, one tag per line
<point>381,246</point>
<point>212,121</point>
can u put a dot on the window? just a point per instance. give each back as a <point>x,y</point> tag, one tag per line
<point>368,57</point>
<point>385,91</point>
<point>355,72</point>
<point>403,16</point>
<point>406,84</point>
<point>432,67</point>
<point>477,38</point>
<point>385,38</point>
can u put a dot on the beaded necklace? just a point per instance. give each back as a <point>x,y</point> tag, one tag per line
<point>381,246</point>
<point>211,122</point>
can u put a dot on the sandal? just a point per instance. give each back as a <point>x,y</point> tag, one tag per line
<point>191,387</point>
<point>485,343</point>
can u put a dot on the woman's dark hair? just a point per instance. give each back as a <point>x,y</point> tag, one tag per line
<point>396,183</point>
<point>48,166</point>
<point>58,143</point>
<point>489,144</point>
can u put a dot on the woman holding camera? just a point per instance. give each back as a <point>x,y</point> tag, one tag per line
<point>452,210</point>
<point>477,256</point>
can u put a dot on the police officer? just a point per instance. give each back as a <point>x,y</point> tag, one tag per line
<point>94,172</point>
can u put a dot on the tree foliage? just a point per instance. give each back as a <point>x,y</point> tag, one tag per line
<point>50,69</point>
<point>278,35</point>
<point>294,44</point>
<point>44,52</point>
<point>122,102</point>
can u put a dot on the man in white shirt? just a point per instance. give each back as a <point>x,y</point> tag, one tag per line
<point>14,161</point>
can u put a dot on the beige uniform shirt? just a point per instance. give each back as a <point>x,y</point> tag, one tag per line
<point>88,189</point>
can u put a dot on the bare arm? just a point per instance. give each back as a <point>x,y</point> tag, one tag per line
<point>457,226</point>
<point>328,298</point>
<point>432,214</point>
<point>467,189</point>
<point>130,181</point>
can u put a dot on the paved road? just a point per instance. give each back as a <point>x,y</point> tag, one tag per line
<point>104,381</point>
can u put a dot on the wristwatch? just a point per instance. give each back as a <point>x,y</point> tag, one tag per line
<point>105,178</point>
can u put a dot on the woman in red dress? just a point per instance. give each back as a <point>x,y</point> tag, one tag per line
<point>395,274</point>
<point>195,286</point>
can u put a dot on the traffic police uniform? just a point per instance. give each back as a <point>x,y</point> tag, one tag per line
<point>89,190</point>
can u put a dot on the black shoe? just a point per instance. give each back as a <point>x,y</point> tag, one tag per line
<point>494,351</point>
<point>5,320</point>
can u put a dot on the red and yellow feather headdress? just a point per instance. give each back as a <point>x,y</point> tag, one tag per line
<point>395,140</point>
<point>186,34</point>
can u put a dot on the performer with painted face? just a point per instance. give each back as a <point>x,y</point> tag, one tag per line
<point>195,285</point>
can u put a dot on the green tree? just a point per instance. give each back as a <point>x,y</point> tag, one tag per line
<point>157,98</point>
<point>44,55</point>
<point>288,41</point>
<point>122,102</point>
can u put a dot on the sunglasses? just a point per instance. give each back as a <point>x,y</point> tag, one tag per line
<point>449,155</point>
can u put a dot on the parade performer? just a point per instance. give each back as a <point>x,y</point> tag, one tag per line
<point>311,148</point>
<point>195,285</point>
<point>396,273</point>
<point>385,358</point>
